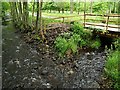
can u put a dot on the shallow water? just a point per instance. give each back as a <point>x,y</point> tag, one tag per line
<point>23,66</point>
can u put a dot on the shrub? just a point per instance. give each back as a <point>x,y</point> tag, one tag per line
<point>117,44</point>
<point>77,28</point>
<point>96,44</point>
<point>73,42</point>
<point>112,67</point>
<point>61,45</point>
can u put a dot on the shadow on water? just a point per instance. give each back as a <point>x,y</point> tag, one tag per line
<point>24,66</point>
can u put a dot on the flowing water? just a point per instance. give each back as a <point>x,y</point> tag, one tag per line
<point>25,67</point>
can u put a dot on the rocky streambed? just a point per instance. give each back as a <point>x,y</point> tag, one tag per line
<point>27,66</point>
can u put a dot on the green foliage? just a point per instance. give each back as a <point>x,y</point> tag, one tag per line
<point>73,42</point>
<point>5,6</point>
<point>96,44</point>
<point>49,20</point>
<point>77,38</point>
<point>84,35</point>
<point>100,7</point>
<point>77,28</point>
<point>61,45</point>
<point>37,37</point>
<point>72,45</point>
<point>117,44</point>
<point>67,42</point>
<point>112,67</point>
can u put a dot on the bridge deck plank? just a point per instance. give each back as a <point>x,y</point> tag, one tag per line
<point>102,26</point>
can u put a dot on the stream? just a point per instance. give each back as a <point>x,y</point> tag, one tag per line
<point>25,67</point>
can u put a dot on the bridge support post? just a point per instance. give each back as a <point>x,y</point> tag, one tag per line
<point>107,23</point>
<point>63,19</point>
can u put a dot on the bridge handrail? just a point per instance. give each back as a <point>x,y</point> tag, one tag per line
<point>107,20</point>
<point>105,15</point>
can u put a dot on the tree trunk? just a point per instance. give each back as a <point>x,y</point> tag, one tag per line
<point>26,13</point>
<point>71,6</point>
<point>91,6</point>
<point>114,7</point>
<point>110,7</point>
<point>16,10</point>
<point>59,10</point>
<point>20,11</point>
<point>79,7</point>
<point>13,13</point>
<point>62,10</point>
<point>41,25</point>
<point>33,12</point>
<point>37,18</point>
<point>84,12</point>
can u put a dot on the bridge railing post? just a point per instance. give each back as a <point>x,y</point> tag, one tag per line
<point>63,19</point>
<point>107,23</point>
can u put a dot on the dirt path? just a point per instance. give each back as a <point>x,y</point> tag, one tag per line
<point>25,67</point>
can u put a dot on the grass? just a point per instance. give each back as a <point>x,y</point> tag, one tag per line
<point>56,14</point>
<point>80,18</point>
<point>49,20</point>
<point>112,65</point>
<point>112,68</point>
<point>94,19</point>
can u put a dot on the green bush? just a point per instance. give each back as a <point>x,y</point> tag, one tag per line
<point>96,44</point>
<point>77,28</point>
<point>77,38</point>
<point>117,44</point>
<point>112,67</point>
<point>63,44</point>
<point>85,35</point>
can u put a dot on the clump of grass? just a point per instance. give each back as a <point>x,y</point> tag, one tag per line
<point>112,67</point>
<point>50,20</point>
<point>65,43</point>
<point>96,44</point>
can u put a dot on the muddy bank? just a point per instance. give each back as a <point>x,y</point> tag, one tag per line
<point>27,66</point>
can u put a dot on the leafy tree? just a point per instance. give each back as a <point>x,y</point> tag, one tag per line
<point>5,8</point>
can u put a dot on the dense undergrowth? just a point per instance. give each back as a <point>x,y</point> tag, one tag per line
<point>77,38</point>
<point>112,65</point>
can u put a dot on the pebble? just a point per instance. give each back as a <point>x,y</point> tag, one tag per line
<point>33,79</point>
<point>11,39</point>
<point>47,46</point>
<point>18,47</point>
<point>53,58</point>
<point>47,85</point>
<point>16,36</point>
<point>93,53</point>
<point>87,53</point>
<point>17,62</point>
<point>44,72</point>
<point>17,50</point>
<point>26,60</point>
<point>70,72</point>
<point>10,62</point>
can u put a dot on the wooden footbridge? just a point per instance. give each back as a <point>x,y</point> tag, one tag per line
<point>102,28</point>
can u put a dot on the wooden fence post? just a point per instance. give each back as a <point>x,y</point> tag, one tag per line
<point>63,19</point>
<point>107,23</point>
